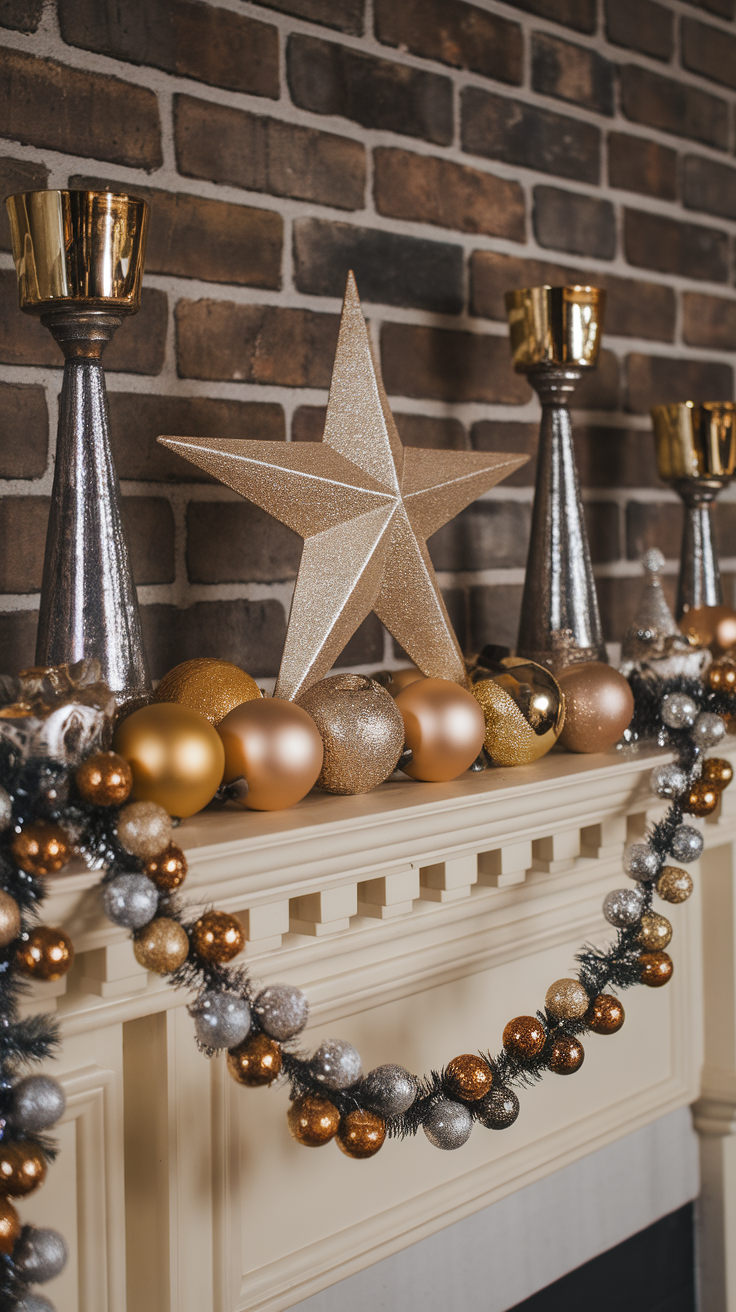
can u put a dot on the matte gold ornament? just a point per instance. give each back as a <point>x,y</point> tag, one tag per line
<point>255,1062</point>
<point>524,1037</point>
<point>468,1077</point>
<point>721,676</point>
<point>162,946</point>
<point>46,953</point>
<point>210,686</point>
<point>312,1120</point>
<point>567,1055</point>
<point>276,747</point>
<point>524,711</point>
<point>444,727</point>
<point>218,937</point>
<point>9,919</point>
<point>606,1015</point>
<point>702,799</point>
<point>566,999</point>
<point>168,870</point>
<point>599,705</point>
<point>717,771</point>
<point>10,1227</point>
<point>365,507</point>
<point>176,757</point>
<point>22,1168</point>
<point>674,885</point>
<point>655,969</point>
<point>361,729</point>
<point>655,931</point>
<point>41,848</point>
<point>361,1134</point>
<point>104,779</point>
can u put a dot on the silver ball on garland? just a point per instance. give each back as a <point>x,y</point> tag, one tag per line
<point>38,1102</point>
<point>448,1124</point>
<point>337,1064</point>
<point>6,810</point>
<point>221,1020</point>
<point>708,729</point>
<point>687,843</point>
<point>498,1110</point>
<point>668,781</point>
<point>642,861</point>
<point>35,1303</point>
<point>282,1010</point>
<point>679,710</point>
<point>40,1255</point>
<point>389,1090</point>
<point>130,900</point>
<point>623,906</point>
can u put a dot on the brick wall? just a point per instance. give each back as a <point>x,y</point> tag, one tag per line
<point>446,151</point>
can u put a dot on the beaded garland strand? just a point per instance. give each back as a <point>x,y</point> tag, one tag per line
<point>47,812</point>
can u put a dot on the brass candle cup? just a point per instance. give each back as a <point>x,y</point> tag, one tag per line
<point>555,327</point>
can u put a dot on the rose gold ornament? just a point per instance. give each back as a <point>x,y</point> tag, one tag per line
<point>22,1168</point>
<point>104,779</point>
<point>46,953</point>
<point>606,1015</point>
<point>566,999</point>
<point>718,772</point>
<point>361,729</point>
<point>218,937</point>
<point>674,885</point>
<point>654,931</point>
<point>444,727</point>
<point>176,757</point>
<point>721,676</point>
<point>168,870</point>
<point>312,1120</point>
<point>524,1037</point>
<point>255,1062</point>
<point>162,946</point>
<point>41,848</point>
<point>144,829</point>
<point>567,1055</point>
<point>10,1227</point>
<point>702,799</point>
<point>468,1077</point>
<point>211,687</point>
<point>276,746</point>
<point>599,705</point>
<point>9,919</point>
<point>655,969</point>
<point>361,1134</point>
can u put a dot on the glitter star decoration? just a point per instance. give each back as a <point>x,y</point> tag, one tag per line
<point>365,506</point>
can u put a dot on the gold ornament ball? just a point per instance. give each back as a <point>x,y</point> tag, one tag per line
<point>566,999</point>
<point>655,969</point>
<point>361,1134</point>
<point>654,932</point>
<point>711,626</point>
<point>566,1056</point>
<point>9,919</point>
<point>168,870</point>
<point>599,705</point>
<point>46,954</point>
<point>312,1120</point>
<point>22,1168</point>
<point>175,754</point>
<point>721,676</point>
<point>524,1037</point>
<point>218,937</point>
<point>10,1227</point>
<point>400,679</point>
<point>674,885</point>
<point>702,799</point>
<point>212,687</point>
<point>162,946</point>
<point>144,829</point>
<point>606,1015</point>
<point>41,848</point>
<point>361,729</point>
<point>276,747</point>
<point>717,772</point>
<point>444,727</point>
<point>468,1077</point>
<point>104,779</point>
<point>255,1062</point>
<point>524,712</point>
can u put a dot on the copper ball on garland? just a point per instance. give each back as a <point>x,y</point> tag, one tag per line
<point>721,676</point>
<point>207,685</point>
<point>41,848</point>
<point>443,725</point>
<point>144,829</point>
<point>361,1133</point>
<point>276,747</point>
<point>176,756</point>
<point>717,772</point>
<point>524,1037</point>
<point>312,1120</point>
<point>361,729</point>
<point>674,885</point>
<point>10,1227</point>
<point>606,1014</point>
<point>655,931</point>
<point>655,969</point>
<point>162,946</point>
<point>468,1077</point>
<point>9,919</point>
<point>702,799</point>
<point>255,1062</point>
<point>599,705</point>
<point>218,937</point>
<point>45,954</point>
<point>22,1168</point>
<point>566,1055</point>
<point>524,711</point>
<point>168,870</point>
<point>104,779</point>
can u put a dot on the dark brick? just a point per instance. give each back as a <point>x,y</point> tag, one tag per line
<point>18,640</point>
<point>635,164</point>
<point>343,15</point>
<point>723,8</point>
<point>46,104</point>
<point>23,522</point>
<point>431,433</point>
<point>454,33</point>
<point>149,531</point>
<point>443,365</point>
<point>237,149</point>
<point>308,423</point>
<point>249,633</point>
<point>641,25</point>
<point>255,343</point>
<point>663,380</point>
<point>602,522</point>
<point>487,535</point>
<point>614,457</point>
<point>424,189</point>
<point>390,269</point>
<point>24,424</point>
<point>377,93</point>
<point>236,542</point>
<point>579,14</point>
<point>567,221</point>
<point>494,616</point>
<point>709,51</point>
<point>21,15</point>
<point>599,389</point>
<point>652,241</point>
<point>18,175</point>
<point>508,435</point>
<point>534,138</point>
<point>709,186</point>
<point>708,321</point>
<point>366,645</point>
<point>725,515</point>
<point>660,102</point>
<point>653,524</point>
<point>213,45</point>
<point>137,419</point>
<point>572,73</point>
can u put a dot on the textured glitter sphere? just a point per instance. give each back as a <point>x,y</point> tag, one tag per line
<point>448,1124</point>
<point>337,1064</point>
<point>104,779</point>
<point>389,1089</point>
<point>444,726</point>
<point>6,810</point>
<point>10,1227</point>
<point>678,710</point>
<point>282,1011</point>
<point>35,1303</point>
<point>566,1055</point>
<point>22,1168</point>
<point>524,1037</point>
<point>38,1102</point>
<point>144,829</point>
<point>168,870</point>
<point>709,729</point>
<point>566,999</point>
<point>655,931</point>
<point>221,1020</point>
<point>162,946</point>
<point>176,756</point>
<point>9,919</point>
<point>468,1077</point>
<point>606,1015</point>
<point>599,705</point>
<point>623,906</point>
<point>312,1120</point>
<point>361,1134</point>
<point>41,848</point>
<point>41,1255</point>
<point>721,676</point>
<point>276,747</point>
<point>211,687</point>
<point>498,1110</point>
<point>255,1062</point>
<point>718,772</point>
<point>668,781</point>
<point>130,900</point>
<point>45,954</point>
<point>655,969</point>
<point>674,885</point>
<point>218,937</point>
<point>702,799</point>
<point>524,712</point>
<point>642,861</point>
<point>687,844</point>
<point>361,729</point>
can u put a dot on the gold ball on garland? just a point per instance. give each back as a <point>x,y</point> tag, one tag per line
<point>276,747</point>
<point>606,1015</point>
<point>566,1056</point>
<point>162,946</point>
<point>361,1134</point>
<point>702,799</point>
<point>718,772</point>
<point>599,705</point>
<point>144,829</point>
<point>444,727</point>
<point>255,1062</point>
<point>524,712</point>
<point>104,779</point>
<point>711,626</point>
<point>10,1227</point>
<point>46,953</point>
<point>312,1120</point>
<point>218,937</point>
<point>22,1168</point>
<point>674,885</point>
<point>9,919</point>
<point>566,999</point>
<point>168,870</point>
<point>654,932</point>
<point>524,1037</point>
<point>41,848</point>
<point>361,729</point>
<point>721,676</point>
<point>468,1077</point>
<point>210,686</point>
<point>655,969</point>
<point>175,754</point>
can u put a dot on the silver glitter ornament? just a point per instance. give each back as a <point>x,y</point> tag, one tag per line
<point>642,861</point>
<point>6,810</point>
<point>678,710</point>
<point>623,906</point>
<point>130,900</point>
<point>37,1103</point>
<point>282,1010</point>
<point>35,1303</point>
<point>337,1064</point>
<point>221,1020</point>
<point>498,1110</point>
<point>708,729</point>
<point>40,1255</point>
<point>687,844</point>
<point>389,1090</point>
<point>448,1124</point>
<point>668,780</point>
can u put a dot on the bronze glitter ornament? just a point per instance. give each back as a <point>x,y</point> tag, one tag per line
<point>721,676</point>
<point>606,1015</point>
<point>210,686</point>
<point>702,799</point>
<point>361,729</point>
<point>168,870</point>
<point>144,829</point>
<point>218,937</point>
<point>22,1168</point>
<point>10,1227</point>
<point>567,1055</point>
<point>566,999</point>
<point>524,1037</point>
<point>46,953</point>
<point>674,885</point>
<point>468,1077</point>
<point>9,919</point>
<point>162,946</point>
<point>717,772</point>
<point>41,848</point>
<point>255,1062</point>
<point>599,705</point>
<point>524,712</point>
<point>655,969</point>
<point>104,779</point>
<point>655,931</point>
<point>312,1120</point>
<point>361,1134</point>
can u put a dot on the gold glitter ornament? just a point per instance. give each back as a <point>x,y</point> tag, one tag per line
<point>365,506</point>
<point>46,954</point>
<point>9,919</point>
<point>212,687</point>
<point>524,712</point>
<point>41,848</point>
<point>104,779</point>
<point>255,1062</point>
<point>566,999</point>
<point>361,1134</point>
<point>22,1168</point>
<point>524,1037</point>
<point>654,931</point>
<point>702,799</point>
<point>176,756</point>
<point>144,829</point>
<point>218,937</point>
<point>674,885</point>
<point>468,1077</point>
<point>361,729</point>
<point>655,969</point>
<point>606,1015</point>
<point>162,946</point>
<point>717,771</point>
<point>312,1120</point>
<point>168,870</point>
<point>567,1055</point>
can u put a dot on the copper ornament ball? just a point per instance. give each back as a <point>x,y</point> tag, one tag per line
<point>312,1120</point>
<point>46,954</point>
<point>524,1037</point>
<point>566,1056</point>
<point>22,1168</point>
<point>275,745</point>
<point>721,676</point>
<point>468,1077</point>
<point>9,919</point>
<point>524,712</point>
<point>443,725</point>
<point>655,969</point>
<point>711,626</point>
<point>606,1015</point>
<point>175,754</point>
<point>702,799</point>
<point>361,1134</point>
<point>168,870</point>
<point>361,729</point>
<point>104,779</point>
<point>162,946</point>
<point>10,1227</point>
<point>599,705</point>
<point>218,937</point>
<point>717,771</point>
<point>674,885</point>
<point>255,1062</point>
<point>41,848</point>
<point>211,687</point>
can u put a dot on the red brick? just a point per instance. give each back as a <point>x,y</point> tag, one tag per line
<point>663,380</point>
<point>23,522</point>
<point>18,640</point>
<point>18,175</point>
<point>493,616</point>
<point>599,388</point>
<point>24,423</point>
<point>343,15</point>
<point>508,435</point>
<point>567,221</point>
<point>652,241</point>
<point>424,189</point>
<point>635,164</point>
<point>449,366</point>
<point>661,102</point>
<point>455,33</point>
<point>709,186</point>
<point>641,25</point>
<point>46,104</point>
<point>614,457</point>
<point>149,530</point>
<point>137,419</point>
<point>709,51</point>
<point>497,128</point>
<point>487,535</point>
<point>708,321</point>
<point>236,149</point>
<point>653,524</point>
<point>249,633</point>
<point>235,542</point>
<point>21,15</point>
<point>571,72</point>
<point>255,343</point>
<point>431,433</point>
<point>579,14</point>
